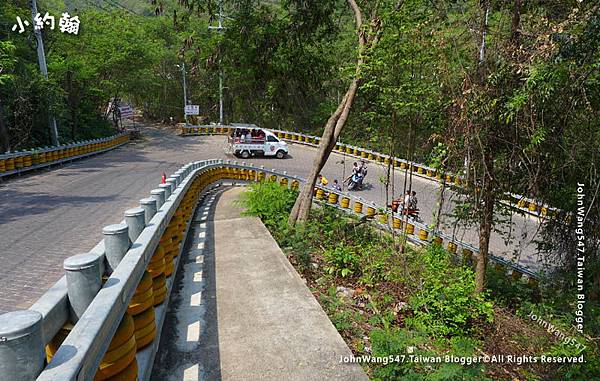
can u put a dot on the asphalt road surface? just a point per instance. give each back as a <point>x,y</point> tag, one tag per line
<point>50,215</point>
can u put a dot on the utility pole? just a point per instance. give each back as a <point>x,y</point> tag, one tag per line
<point>43,68</point>
<point>184,92</point>
<point>220,29</point>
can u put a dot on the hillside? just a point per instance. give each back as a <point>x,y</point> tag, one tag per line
<point>143,7</point>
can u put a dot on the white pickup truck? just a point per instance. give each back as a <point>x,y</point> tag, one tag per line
<point>250,140</point>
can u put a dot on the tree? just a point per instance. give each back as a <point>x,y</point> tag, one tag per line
<point>509,118</point>
<point>337,120</point>
<point>7,62</point>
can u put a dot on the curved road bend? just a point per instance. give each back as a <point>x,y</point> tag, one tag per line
<point>48,216</point>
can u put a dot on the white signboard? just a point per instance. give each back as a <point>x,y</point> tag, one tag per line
<point>192,110</point>
<point>126,111</point>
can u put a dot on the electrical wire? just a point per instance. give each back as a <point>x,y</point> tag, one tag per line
<point>115,3</point>
<point>98,6</point>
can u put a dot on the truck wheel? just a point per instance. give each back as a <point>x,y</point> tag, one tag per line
<point>245,154</point>
<point>280,154</point>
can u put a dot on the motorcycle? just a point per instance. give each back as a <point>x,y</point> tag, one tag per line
<point>356,181</point>
<point>412,214</point>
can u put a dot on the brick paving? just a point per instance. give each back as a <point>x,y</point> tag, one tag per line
<point>52,214</point>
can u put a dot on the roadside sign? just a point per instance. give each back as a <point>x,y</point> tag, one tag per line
<point>192,110</point>
<point>126,111</point>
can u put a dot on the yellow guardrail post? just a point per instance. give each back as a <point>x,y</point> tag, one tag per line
<point>345,203</point>
<point>452,247</point>
<point>358,206</point>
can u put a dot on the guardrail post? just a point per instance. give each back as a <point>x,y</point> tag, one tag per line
<point>159,196</point>
<point>167,188</point>
<point>134,218</point>
<point>21,345</point>
<point>149,206</point>
<point>84,280</point>
<point>174,181</point>
<point>116,244</point>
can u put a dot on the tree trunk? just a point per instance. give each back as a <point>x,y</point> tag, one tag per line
<point>486,219</point>
<point>334,126</point>
<point>4,138</point>
<point>332,130</point>
<point>486,196</point>
<point>515,27</point>
<point>73,103</point>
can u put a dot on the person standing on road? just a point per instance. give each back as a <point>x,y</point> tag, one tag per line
<point>336,186</point>
<point>412,204</point>
<point>322,180</point>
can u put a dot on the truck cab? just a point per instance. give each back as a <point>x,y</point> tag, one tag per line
<point>247,140</point>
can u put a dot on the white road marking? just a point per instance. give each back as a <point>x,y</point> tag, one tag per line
<point>196,299</point>
<point>198,276</point>
<point>193,332</point>
<point>191,373</point>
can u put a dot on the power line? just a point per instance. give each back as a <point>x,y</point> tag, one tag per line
<point>97,5</point>
<point>114,3</point>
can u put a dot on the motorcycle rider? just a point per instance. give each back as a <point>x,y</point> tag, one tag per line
<point>359,171</point>
<point>363,168</point>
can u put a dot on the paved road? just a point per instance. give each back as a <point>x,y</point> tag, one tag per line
<point>47,217</point>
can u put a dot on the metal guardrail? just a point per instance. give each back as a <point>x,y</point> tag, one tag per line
<point>14,163</point>
<point>522,203</point>
<point>99,312</point>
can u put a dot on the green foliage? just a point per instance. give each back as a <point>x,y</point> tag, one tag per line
<point>507,292</point>
<point>281,59</point>
<point>376,263</point>
<point>7,61</point>
<point>400,344</point>
<point>446,303</point>
<point>343,317</point>
<point>270,202</point>
<point>577,371</point>
<point>342,260</point>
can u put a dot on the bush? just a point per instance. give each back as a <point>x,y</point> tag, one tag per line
<point>270,202</point>
<point>511,294</point>
<point>446,303</point>
<point>343,260</point>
